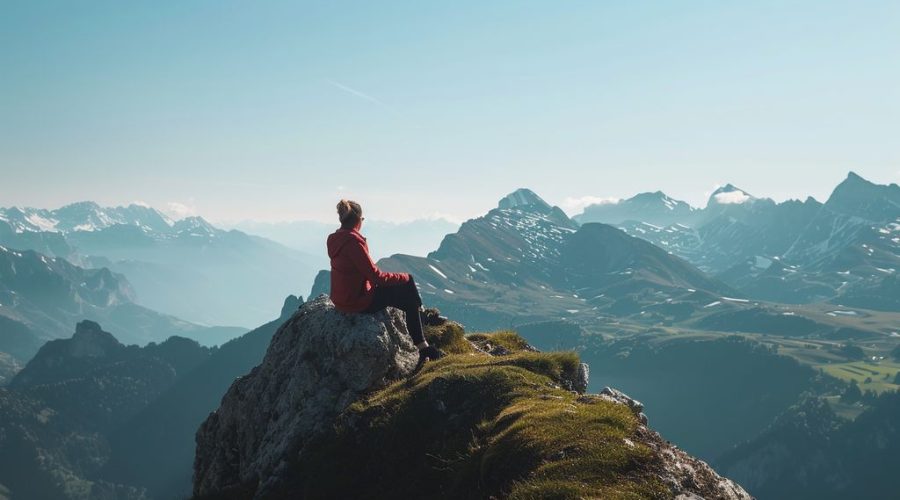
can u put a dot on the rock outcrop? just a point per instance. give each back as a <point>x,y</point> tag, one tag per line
<point>319,361</point>
<point>321,418</point>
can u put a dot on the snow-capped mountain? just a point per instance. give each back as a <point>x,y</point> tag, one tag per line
<point>729,195</point>
<point>415,237</point>
<point>527,261</point>
<point>820,251</point>
<point>188,268</point>
<point>85,216</point>
<point>655,208</point>
<point>518,240</point>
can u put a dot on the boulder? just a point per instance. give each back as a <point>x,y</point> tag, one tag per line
<point>319,361</point>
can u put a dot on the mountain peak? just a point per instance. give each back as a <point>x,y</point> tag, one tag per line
<point>858,196</point>
<point>87,327</point>
<point>729,194</point>
<point>727,188</point>
<point>853,176</point>
<point>654,207</point>
<point>82,205</point>
<point>522,197</point>
<point>655,195</point>
<point>854,179</point>
<point>90,332</point>
<point>194,223</point>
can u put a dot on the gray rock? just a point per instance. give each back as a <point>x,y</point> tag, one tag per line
<point>618,396</point>
<point>319,362</point>
<point>623,398</point>
<point>291,304</point>
<point>584,374</point>
<point>689,478</point>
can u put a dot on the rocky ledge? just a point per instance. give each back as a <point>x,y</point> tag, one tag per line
<point>337,410</point>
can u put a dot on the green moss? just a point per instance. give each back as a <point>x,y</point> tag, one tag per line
<point>475,426</point>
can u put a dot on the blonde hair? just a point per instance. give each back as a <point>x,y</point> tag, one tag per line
<point>349,212</point>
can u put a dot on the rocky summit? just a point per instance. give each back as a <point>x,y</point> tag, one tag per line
<point>318,362</point>
<point>338,408</point>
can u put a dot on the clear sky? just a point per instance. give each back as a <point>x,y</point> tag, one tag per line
<point>273,110</point>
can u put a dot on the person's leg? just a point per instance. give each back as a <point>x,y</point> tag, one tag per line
<point>411,301</point>
<point>406,298</point>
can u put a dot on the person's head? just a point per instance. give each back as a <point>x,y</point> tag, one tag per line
<point>350,214</point>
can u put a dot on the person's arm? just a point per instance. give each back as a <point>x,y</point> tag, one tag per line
<point>363,263</point>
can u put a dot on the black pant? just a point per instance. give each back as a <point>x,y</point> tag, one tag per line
<point>405,297</point>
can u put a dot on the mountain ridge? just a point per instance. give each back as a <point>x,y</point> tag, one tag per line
<point>187,268</point>
<point>818,243</point>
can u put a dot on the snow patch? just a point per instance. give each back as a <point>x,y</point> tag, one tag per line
<point>762,262</point>
<point>42,223</point>
<point>438,271</point>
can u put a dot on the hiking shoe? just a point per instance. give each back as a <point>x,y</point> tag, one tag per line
<point>431,352</point>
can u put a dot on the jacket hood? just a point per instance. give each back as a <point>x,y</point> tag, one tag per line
<point>341,237</point>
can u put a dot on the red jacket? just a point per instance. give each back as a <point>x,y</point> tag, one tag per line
<point>353,274</point>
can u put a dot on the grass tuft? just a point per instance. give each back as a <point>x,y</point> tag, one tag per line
<point>448,337</point>
<point>505,338</point>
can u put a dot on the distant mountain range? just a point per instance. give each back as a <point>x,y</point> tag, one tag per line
<point>89,417</point>
<point>846,250</point>
<point>656,208</point>
<point>57,412</point>
<point>416,237</point>
<point>686,315</point>
<point>41,298</point>
<point>187,268</point>
<point>810,452</point>
<point>527,262</point>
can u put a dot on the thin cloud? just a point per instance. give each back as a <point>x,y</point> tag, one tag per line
<point>573,204</point>
<point>178,211</point>
<point>361,95</point>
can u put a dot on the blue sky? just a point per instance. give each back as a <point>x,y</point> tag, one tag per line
<point>273,110</point>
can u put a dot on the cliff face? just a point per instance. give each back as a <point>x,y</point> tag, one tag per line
<point>337,409</point>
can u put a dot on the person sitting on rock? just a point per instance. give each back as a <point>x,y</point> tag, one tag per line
<point>358,286</point>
